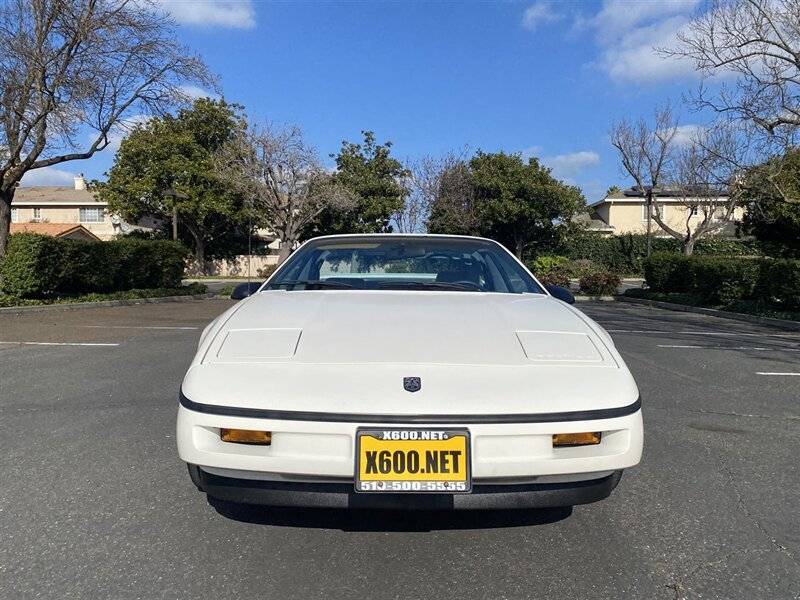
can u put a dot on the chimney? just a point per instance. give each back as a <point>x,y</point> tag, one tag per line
<point>80,182</point>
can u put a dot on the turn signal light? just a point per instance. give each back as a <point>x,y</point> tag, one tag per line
<point>576,439</point>
<point>246,436</point>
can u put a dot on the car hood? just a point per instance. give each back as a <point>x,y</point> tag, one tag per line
<point>349,351</point>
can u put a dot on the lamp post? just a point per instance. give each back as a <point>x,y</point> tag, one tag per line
<point>175,196</point>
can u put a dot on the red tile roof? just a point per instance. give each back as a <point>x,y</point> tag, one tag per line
<point>54,229</point>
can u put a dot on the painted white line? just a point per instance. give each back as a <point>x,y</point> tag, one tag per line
<point>57,344</point>
<point>135,327</point>
<point>712,333</point>
<point>779,374</point>
<point>728,347</point>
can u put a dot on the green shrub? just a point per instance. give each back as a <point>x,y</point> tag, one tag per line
<point>37,266</point>
<point>726,280</point>
<point>722,279</point>
<point>667,272</point>
<point>551,270</point>
<point>600,283</point>
<point>626,253</point>
<point>31,266</point>
<point>779,282</point>
<point>148,263</point>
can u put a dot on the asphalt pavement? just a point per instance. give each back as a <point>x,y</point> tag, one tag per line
<point>94,502</point>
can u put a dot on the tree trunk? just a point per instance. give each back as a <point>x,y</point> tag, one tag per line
<point>688,246</point>
<point>649,209</point>
<point>284,251</point>
<point>5,217</point>
<point>519,246</point>
<point>199,247</point>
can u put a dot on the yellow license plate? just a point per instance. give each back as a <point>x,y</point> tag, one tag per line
<point>413,460</point>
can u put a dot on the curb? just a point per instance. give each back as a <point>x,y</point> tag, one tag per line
<point>104,303</point>
<point>713,312</point>
<point>595,298</point>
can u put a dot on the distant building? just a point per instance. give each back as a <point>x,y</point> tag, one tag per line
<point>66,206</point>
<point>625,211</point>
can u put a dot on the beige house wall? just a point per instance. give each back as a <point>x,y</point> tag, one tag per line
<point>631,218</point>
<point>66,214</point>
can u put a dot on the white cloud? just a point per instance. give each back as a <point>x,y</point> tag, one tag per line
<point>538,14</point>
<point>685,134</point>
<point>48,176</point>
<point>234,14</point>
<point>627,34</point>
<point>567,166</point>
<point>194,92</point>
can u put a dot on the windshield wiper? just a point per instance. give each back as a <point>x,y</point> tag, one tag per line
<point>313,283</point>
<point>430,285</point>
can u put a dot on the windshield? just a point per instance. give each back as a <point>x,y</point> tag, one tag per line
<point>404,263</point>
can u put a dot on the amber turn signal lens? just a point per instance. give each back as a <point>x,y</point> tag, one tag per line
<point>576,439</point>
<point>246,436</point>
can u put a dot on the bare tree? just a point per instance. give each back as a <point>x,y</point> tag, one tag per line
<point>646,152</point>
<point>708,180</point>
<point>70,68</point>
<point>282,178</point>
<point>758,43</point>
<point>423,183</point>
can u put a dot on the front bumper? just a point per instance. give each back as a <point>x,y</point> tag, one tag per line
<point>310,449</point>
<point>342,495</point>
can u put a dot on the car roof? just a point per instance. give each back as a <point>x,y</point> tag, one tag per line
<point>402,235</point>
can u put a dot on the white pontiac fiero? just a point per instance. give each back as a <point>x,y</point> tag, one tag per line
<point>407,371</point>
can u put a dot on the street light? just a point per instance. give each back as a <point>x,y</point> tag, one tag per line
<point>175,196</point>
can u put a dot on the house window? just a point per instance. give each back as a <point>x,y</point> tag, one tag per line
<point>14,216</point>
<point>37,213</point>
<point>91,215</point>
<point>693,210</point>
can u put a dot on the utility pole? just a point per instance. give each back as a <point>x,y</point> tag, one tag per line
<point>649,208</point>
<point>174,196</point>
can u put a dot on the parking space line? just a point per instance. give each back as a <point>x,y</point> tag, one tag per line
<point>779,374</point>
<point>58,344</point>
<point>710,333</point>
<point>727,347</point>
<point>136,327</point>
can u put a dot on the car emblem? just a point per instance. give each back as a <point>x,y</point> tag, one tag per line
<point>412,384</point>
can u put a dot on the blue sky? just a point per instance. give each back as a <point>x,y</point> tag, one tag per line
<point>546,78</point>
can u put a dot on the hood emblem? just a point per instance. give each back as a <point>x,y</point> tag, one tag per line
<point>412,384</point>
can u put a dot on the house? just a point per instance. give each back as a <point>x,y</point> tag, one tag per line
<point>65,205</point>
<point>70,231</point>
<point>625,211</point>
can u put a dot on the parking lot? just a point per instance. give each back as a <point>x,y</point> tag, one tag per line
<point>94,502</point>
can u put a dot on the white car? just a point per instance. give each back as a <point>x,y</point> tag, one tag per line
<point>407,371</point>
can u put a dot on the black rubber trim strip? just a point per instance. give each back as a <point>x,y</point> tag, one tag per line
<point>291,415</point>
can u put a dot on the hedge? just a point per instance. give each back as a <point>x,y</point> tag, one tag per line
<point>725,280</point>
<point>626,253</point>
<point>37,266</point>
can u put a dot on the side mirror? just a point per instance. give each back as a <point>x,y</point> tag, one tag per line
<point>243,290</point>
<point>561,293</point>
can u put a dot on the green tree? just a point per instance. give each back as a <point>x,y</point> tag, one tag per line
<point>374,177</point>
<point>167,164</point>
<point>769,216</point>
<point>518,203</point>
